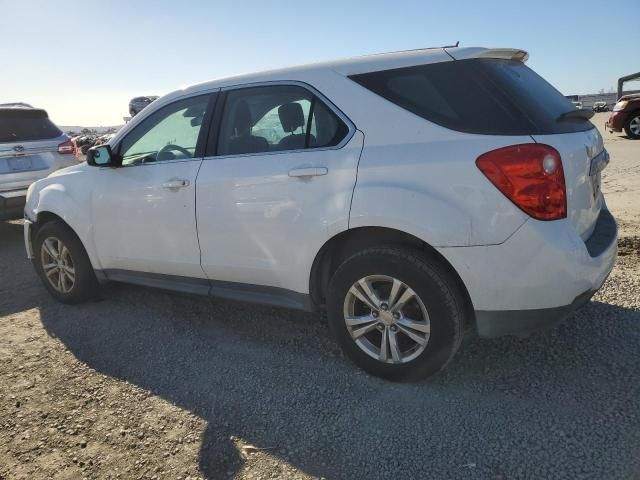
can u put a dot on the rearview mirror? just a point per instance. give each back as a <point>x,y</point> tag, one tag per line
<point>100,156</point>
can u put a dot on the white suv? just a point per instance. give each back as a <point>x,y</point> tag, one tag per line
<point>412,195</point>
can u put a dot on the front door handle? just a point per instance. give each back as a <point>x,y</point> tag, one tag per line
<point>176,183</point>
<point>308,172</point>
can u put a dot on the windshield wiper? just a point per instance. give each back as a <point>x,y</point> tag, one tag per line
<point>578,113</point>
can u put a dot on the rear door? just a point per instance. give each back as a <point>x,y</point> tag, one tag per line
<point>275,186</point>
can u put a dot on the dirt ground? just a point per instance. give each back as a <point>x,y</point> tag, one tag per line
<point>145,384</point>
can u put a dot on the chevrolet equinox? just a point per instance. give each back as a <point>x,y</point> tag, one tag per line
<point>413,196</point>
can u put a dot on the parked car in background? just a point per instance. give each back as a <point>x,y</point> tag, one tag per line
<point>31,147</point>
<point>577,104</point>
<point>600,107</point>
<point>102,139</point>
<point>373,195</point>
<point>84,142</point>
<point>626,116</point>
<point>138,103</point>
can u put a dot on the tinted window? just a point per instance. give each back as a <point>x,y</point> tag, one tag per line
<point>277,118</point>
<point>327,129</point>
<point>171,133</point>
<point>487,96</point>
<point>22,125</point>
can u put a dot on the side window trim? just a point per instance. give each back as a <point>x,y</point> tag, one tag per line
<point>203,135</point>
<point>314,99</point>
<point>216,123</point>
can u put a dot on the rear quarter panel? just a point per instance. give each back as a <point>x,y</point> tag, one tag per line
<point>422,179</point>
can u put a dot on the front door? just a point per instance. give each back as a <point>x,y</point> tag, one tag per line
<point>144,211</point>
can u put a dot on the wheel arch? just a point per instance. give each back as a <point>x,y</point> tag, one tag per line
<point>635,113</point>
<point>45,217</point>
<point>48,215</point>
<point>632,114</point>
<point>342,245</point>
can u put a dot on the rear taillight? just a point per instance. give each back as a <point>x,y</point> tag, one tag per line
<point>531,176</point>
<point>67,148</point>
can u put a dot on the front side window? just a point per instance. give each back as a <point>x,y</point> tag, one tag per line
<point>277,118</point>
<point>170,133</point>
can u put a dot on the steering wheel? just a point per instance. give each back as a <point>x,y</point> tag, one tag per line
<point>172,148</point>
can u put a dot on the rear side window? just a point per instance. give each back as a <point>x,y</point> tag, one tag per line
<point>275,119</point>
<point>485,96</point>
<point>23,125</point>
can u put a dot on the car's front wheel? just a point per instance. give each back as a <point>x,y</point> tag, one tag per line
<point>396,312</point>
<point>632,128</point>
<point>62,263</point>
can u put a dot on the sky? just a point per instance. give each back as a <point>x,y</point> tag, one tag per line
<point>84,60</point>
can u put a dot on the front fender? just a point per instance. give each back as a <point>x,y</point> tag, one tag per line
<point>57,199</point>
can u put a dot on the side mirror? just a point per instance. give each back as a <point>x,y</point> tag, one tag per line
<point>100,156</point>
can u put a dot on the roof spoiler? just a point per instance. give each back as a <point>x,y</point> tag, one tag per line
<point>503,53</point>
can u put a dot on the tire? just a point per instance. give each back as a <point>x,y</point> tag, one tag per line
<point>60,238</point>
<point>632,127</point>
<point>435,291</point>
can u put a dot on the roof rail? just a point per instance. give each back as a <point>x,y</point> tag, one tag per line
<point>409,50</point>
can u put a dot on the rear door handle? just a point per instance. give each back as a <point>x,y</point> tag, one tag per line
<point>176,183</point>
<point>308,172</point>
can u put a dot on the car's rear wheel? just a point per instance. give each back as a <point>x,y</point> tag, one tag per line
<point>396,312</point>
<point>632,128</point>
<point>62,263</point>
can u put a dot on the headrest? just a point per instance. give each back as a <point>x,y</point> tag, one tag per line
<point>242,122</point>
<point>291,116</point>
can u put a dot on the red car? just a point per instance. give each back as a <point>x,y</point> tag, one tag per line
<point>626,116</point>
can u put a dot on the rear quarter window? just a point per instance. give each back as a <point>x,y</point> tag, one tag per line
<point>22,125</point>
<point>484,96</point>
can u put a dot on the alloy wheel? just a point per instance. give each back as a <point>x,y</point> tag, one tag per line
<point>57,264</point>
<point>386,319</point>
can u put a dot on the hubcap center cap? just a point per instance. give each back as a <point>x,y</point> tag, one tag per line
<point>386,317</point>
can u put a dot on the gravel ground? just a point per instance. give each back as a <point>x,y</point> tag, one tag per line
<point>149,384</point>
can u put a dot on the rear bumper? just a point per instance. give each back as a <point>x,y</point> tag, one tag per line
<point>490,324</point>
<point>538,276</point>
<point>12,204</point>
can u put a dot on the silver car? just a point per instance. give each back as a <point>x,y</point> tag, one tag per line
<point>31,147</point>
